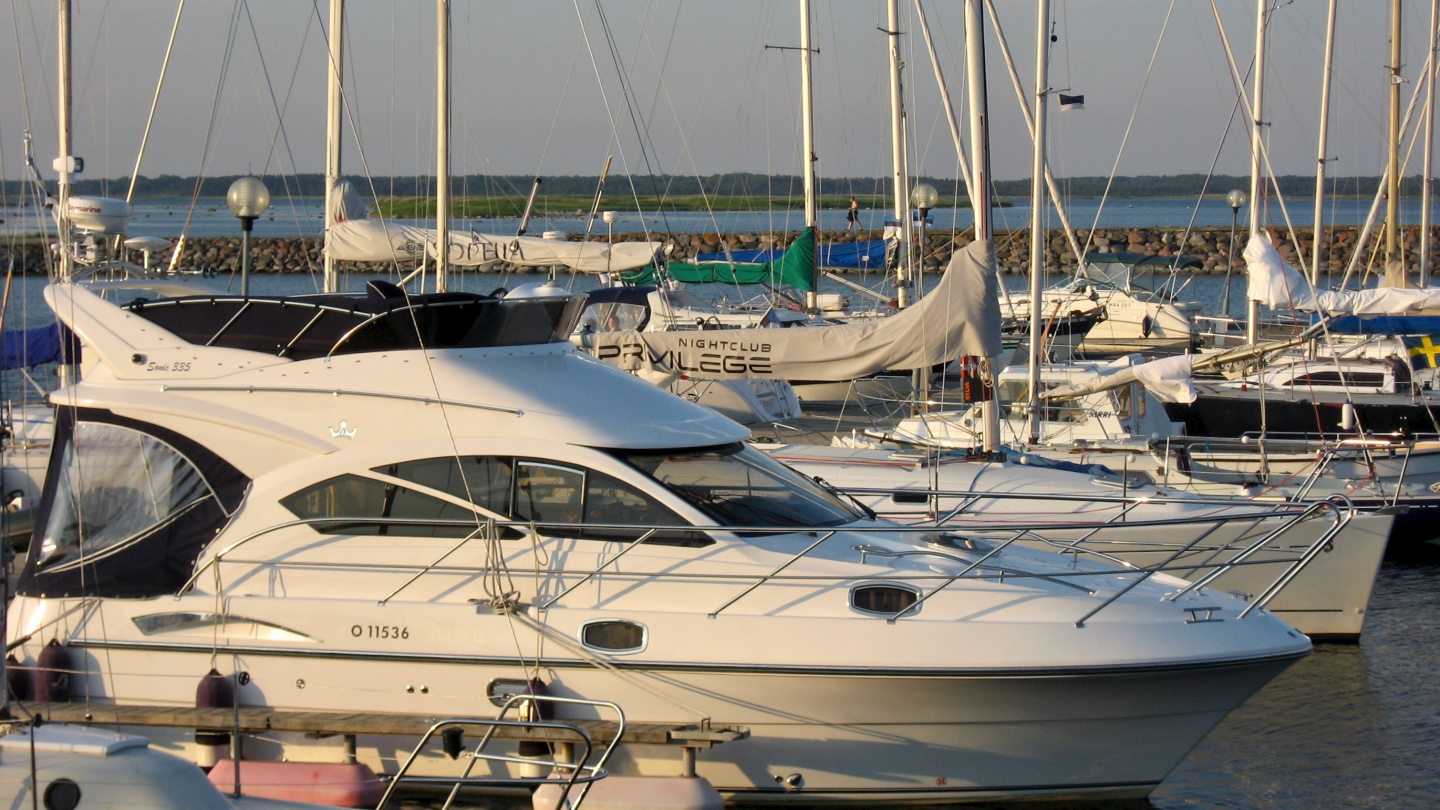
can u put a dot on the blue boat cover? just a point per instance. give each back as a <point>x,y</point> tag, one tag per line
<point>31,347</point>
<point>1384,325</point>
<point>868,255</point>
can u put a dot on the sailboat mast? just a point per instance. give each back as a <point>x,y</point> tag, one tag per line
<point>807,128</point>
<point>1394,262</point>
<point>333,102</point>
<point>1319,232</point>
<point>1257,107</point>
<point>1037,210</point>
<point>946,103</point>
<point>1429,152</point>
<point>65,162</point>
<point>442,143</point>
<point>980,171</point>
<point>899,175</point>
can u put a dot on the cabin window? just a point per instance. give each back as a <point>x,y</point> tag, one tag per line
<point>883,600</point>
<point>738,485</point>
<point>482,480</point>
<point>615,636</point>
<point>1122,402</point>
<point>1014,390</point>
<point>610,500</point>
<point>1360,380</point>
<point>359,505</point>
<point>114,486</point>
<point>549,493</point>
<point>613,316</point>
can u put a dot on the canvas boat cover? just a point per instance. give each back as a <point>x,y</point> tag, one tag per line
<point>866,255</point>
<point>371,240</point>
<point>795,268</point>
<point>1169,379</point>
<point>961,316</point>
<point>43,344</point>
<point>1277,285</point>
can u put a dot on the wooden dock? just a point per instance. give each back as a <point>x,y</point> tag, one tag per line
<point>251,719</point>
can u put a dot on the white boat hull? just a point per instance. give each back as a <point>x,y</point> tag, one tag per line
<point>934,737</point>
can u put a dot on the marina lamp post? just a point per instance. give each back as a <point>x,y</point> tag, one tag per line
<point>923,196</point>
<point>248,198</point>
<point>1236,198</point>
<point>609,217</point>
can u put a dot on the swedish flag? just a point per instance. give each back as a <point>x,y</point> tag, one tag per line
<point>1424,351</point>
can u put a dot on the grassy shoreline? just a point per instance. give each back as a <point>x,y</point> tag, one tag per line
<point>549,204</point>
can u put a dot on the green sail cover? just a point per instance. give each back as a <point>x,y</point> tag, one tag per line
<point>795,268</point>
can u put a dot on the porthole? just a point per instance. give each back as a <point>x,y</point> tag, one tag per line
<point>616,636</point>
<point>883,600</point>
<point>62,794</point>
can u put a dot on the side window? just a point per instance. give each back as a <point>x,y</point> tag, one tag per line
<point>358,504</point>
<point>610,500</point>
<point>522,490</point>
<point>484,480</point>
<point>548,493</point>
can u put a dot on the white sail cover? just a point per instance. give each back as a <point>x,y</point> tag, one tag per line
<point>1279,286</point>
<point>371,240</point>
<point>348,204</point>
<point>961,316</point>
<point>1169,379</point>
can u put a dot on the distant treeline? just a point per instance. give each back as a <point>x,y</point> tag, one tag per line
<point>738,184</point>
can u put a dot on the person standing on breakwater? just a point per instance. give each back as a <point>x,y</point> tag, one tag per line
<point>852,219</point>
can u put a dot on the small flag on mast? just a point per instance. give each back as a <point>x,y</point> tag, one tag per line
<point>1072,102</point>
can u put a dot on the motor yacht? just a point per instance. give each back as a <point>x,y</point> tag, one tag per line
<point>408,503</point>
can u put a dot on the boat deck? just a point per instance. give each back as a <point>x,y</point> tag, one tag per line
<point>251,719</point>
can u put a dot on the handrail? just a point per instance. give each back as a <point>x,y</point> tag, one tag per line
<point>767,577</point>
<point>336,392</point>
<point>578,770</point>
<point>423,571</point>
<point>1284,579</point>
<point>1085,498</point>
<point>1315,508</point>
<point>642,538</point>
<point>1087,544</point>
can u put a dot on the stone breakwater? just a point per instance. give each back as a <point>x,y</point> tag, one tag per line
<point>1210,245</point>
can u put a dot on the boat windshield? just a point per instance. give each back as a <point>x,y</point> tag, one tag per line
<point>738,485</point>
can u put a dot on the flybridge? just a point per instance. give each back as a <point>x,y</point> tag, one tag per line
<point>305,327</point>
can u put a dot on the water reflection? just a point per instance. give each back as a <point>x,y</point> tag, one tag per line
<point>1350,726</point>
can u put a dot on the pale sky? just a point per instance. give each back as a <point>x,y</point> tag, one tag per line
<point>708,95</point>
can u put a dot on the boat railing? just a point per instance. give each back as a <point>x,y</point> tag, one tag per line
<point>976,556</point>
<point>571,767</point>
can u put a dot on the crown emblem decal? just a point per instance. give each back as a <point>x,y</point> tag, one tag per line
<point>344,431</point>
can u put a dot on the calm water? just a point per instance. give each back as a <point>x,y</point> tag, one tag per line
<point>303,217</point>
<point>1352,726</point>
